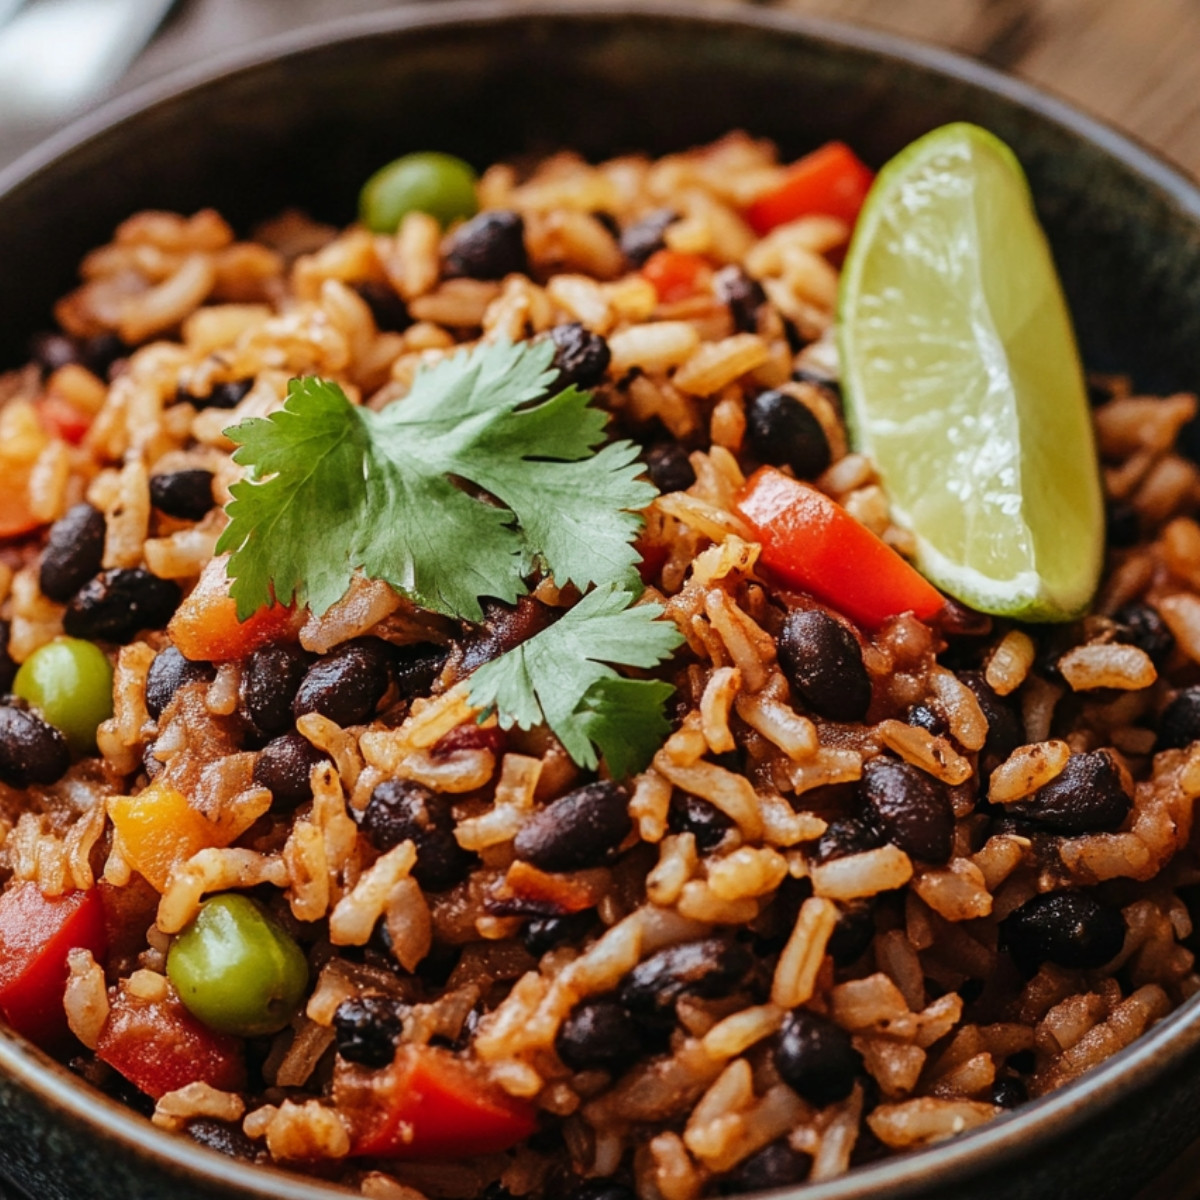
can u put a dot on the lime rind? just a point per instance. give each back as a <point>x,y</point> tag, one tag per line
<point>963,382</point>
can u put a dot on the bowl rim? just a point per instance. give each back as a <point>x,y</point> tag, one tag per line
<point>1027,1128</point>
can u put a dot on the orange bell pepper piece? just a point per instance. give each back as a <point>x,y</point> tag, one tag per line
<point>205,627</point>
<point>158,829</point>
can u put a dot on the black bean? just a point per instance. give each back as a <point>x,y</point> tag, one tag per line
<point>774,1166</point>
<point>577,830</point>
<point>31,751</point>
<point>8,668</point>
<point>923,717</point>
<point>116,604</point>
<point>184,494</point>
<point>847,836</point>
<point>1123,526</point>
<point>709,968</point>
<point>488,246</point>
<point>853,933</point>
<point>415,668</point>
<point>53,350</point>
<point>607,221</point>
<point>367,1029</point>
<point>911,809</point>
<point>1179,725</point>
<point>270,680</point>
<point>284,767</point>
<point>668,467</point>
<point>399,810</point>
<point>387,308</point>
<point>222,395</point>
<point>1009,1092</point>
<point>1069,929</point>
<point>823,662</point>
<point>783,431</point>
<point>544,933</point>
<point>504,626</point>
<point>74,550</point>
<point>222,1137</point>
<point>1005,730</point>
<point>704,820</point>
<point>168,673</point>
<point>346,684</point>
<point>645,236</point>
<point>1140,625</point>
<point>100,353</point>
<point>1090,794</point>
<point>599,1034</point>
<point>815,1059</point>
<point>742,294</point>
<point>580,356</point>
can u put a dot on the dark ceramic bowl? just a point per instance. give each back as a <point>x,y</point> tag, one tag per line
<point>304,120</point>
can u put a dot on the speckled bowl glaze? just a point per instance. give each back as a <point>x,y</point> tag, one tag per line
<point>304,119</point>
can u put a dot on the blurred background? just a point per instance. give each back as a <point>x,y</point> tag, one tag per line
<point>1131,62</point>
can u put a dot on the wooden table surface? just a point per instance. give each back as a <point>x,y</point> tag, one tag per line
<point>1132,63</point>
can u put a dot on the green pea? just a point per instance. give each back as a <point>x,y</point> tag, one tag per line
<point>237,969</point>
<point>438,184</point>
<point>70,682</point>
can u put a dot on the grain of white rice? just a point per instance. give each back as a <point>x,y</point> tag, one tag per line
<point>174,1109</point>
<point>1026,769</point>
<point>1110,665</point>
<point>86,997</point>
<point>864,874</point>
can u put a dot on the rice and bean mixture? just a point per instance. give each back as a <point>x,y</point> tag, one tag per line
<point>878,885</point>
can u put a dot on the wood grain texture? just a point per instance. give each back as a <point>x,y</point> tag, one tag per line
<point>1132,63</point>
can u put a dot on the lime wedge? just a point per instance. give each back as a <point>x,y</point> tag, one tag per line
<point>962,380</point>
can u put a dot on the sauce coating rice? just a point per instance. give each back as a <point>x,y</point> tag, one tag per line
<point>880,883</point>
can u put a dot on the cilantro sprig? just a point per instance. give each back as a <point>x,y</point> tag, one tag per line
<point>589,703</point>
<point>337,488</point>
<point>481,476</point>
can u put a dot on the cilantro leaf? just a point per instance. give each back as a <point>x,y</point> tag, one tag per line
<point>333,488</point>
<point>562,678</point>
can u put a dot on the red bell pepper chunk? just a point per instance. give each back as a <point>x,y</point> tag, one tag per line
<point>654,558</point>
<point>62,419</point>
<point>429,1104</point>
<point>832,181</point>
<point>675,275</point>
<point>36,933</point>
<point>159,1047</point>
<point>815,545</point>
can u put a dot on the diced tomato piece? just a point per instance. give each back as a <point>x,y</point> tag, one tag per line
<point>832,181</point>
<point>62,419</point>
<point>15,516</point>
<point>815,545</point>
<point>36,933</point>
<point>205,627</point>
<point>654,558</point>
<point>675,275</point>
<point>159,1047</point>
<point>429,1104</point>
